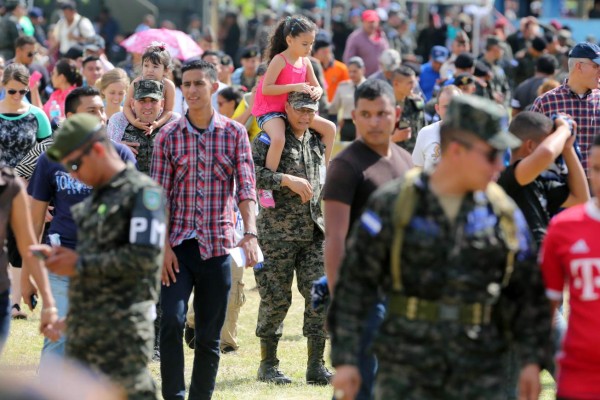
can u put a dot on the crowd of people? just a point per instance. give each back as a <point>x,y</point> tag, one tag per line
<point>408,180</point>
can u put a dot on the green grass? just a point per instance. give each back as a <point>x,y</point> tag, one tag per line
<point>237,371</point>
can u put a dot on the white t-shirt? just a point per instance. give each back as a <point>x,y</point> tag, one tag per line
<point>62,30</point>
<point>427,151</point>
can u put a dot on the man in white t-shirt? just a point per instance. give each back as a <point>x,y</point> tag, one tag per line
<point>72,28</point>
<point>427,152</point>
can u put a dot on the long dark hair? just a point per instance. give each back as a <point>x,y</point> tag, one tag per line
<point>69,70</point>
<point>290,26</point>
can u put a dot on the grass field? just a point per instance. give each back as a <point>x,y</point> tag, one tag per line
<point>237,372</point>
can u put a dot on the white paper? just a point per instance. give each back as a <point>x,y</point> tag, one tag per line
<point>322,174</point>
<point>239,257</point>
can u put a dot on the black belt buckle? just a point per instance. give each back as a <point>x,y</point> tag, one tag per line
<point>448,312</point>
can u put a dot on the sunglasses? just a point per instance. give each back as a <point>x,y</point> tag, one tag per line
<point>31,54</point>
<point>74,164</point>
<point>491,155</point>
<point>22,92</point>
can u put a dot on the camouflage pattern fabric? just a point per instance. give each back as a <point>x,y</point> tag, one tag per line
<point>413,115</point>
<point>499,82</point>
<point>457,263</point>
<point>144,156</point>
<point>290,219</point>
<point>121,232</point>
<point>291,234</point>
<point>274,282</point>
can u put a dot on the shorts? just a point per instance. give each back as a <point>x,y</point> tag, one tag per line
<point>262,119</point>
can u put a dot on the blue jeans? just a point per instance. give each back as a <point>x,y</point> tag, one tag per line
<point>367,362</point>
<point>59,285</point>
<point>4,317</point>
<point>212,280</point>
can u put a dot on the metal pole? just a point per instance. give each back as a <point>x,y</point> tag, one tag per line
<point>327,16</point>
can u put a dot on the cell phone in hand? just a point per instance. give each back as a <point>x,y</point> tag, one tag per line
<point>39,254</point>
<point>33,301</point>
<point>34,78</point>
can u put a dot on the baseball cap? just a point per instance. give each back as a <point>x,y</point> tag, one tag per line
<point>36,12</point>
<point>483,118</point>
<point>390,59</point>
<point>463,79</point>
<point>67,4</point>
<point>439,54</point>
<point>370,16</point>
<point>96,44</point>
<point>492,40</point>
<point>250,51</point>
<point>73,133</point>
<point>74,52</point>
<point>320,43</point>
<point>586,50</point>
<point>300,100</point>
<point>464,60</point>
<point>148,88</point>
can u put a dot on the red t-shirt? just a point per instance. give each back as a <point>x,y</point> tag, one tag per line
<point>571,254</point>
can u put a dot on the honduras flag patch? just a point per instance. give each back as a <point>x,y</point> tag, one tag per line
<point>265,138</point>
<point>371,222</point>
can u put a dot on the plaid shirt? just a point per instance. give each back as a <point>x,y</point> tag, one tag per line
<point>584,110</point>
<point>197,171</point>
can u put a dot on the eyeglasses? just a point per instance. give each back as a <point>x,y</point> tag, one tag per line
<point>74,164</point>
<point>22,92</point>
<point>491,155</point>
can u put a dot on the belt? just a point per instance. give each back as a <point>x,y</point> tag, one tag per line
<point>416,309</point>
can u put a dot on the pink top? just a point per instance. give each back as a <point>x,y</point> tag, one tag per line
<point>264,104</point>
<point>60,96</point>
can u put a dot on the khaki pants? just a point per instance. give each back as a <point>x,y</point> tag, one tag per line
<point>234,304</point>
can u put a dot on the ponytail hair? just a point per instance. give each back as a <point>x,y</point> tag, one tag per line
<point>290,26</point>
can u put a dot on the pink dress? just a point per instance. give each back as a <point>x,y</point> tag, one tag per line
<point>59,96</point>
<point>264,104</point>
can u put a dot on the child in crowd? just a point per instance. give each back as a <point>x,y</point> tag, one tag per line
<point>289,70</point>
<point>156,62</point>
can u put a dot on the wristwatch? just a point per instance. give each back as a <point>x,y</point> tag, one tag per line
<point>250,233</point>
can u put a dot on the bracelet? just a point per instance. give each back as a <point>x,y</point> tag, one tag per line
<point>250,233</point>
<point>49,310</point>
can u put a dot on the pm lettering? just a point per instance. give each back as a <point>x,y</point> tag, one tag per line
<point>141,233</point>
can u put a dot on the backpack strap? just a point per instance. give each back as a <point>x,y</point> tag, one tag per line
<point>403,212</point>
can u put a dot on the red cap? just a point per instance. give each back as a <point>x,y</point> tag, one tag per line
<point>370,16</point>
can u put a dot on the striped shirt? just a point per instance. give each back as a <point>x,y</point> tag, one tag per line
<point>198,169</point>
<point>584,109</point>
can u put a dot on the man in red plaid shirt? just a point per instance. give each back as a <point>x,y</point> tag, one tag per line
<point>578,96</point>
<point>197,159</point>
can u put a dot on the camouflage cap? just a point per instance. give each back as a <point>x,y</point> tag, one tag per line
<point>300,100</point>
<point>483,118</point>
<point>148,88</point>
<point>72,134</point>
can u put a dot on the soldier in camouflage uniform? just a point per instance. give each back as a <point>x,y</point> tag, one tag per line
<point>116,269</point>
<point>412,120</point>
<point>499,85</point>
<point>291,236</point>
<point>453,254</point>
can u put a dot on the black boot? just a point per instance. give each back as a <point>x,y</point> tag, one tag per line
<point>268,370</point>
<point>316,373</point>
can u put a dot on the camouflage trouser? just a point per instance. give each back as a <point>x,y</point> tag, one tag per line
<point>274,282</point>
<point>403,382</point>
<point>121,352</point>
<point>236,300</point>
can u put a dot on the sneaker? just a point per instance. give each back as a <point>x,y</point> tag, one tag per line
<point>16,312</point>
<point>227,349</point>
<point>156,355</point>
<point>265,198</point>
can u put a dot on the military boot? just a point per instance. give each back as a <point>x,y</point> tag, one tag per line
<point>269,364</point>
<point>316,373</point>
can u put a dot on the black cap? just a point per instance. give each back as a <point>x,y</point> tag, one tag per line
<point>250,51</point>
<point>463,79</point>
<point>539,43</point>
<point>74,52</point>
<point>586,50</point>
<point>481,70</point>
<point>492,41</point>
<point>464,61</point>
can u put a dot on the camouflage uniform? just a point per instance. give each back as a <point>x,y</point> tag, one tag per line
<point>499,82</point>
<point>121,229</point>
<point>291,237</point>
<point>413,115</point>
<point>433,343</point>
<point>291,234</point>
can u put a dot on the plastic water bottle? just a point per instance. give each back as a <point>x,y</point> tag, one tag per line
<point>258,266</point>
<point>55,113</point>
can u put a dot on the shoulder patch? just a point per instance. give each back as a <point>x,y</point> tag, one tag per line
<point>152,198</point>
<point>370,221</point>
<point>264,138</point>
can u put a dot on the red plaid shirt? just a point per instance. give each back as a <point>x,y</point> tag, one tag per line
<point>197,171</point>
<point>584,110</point>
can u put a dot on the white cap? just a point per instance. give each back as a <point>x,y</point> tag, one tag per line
<point>390,59</point>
